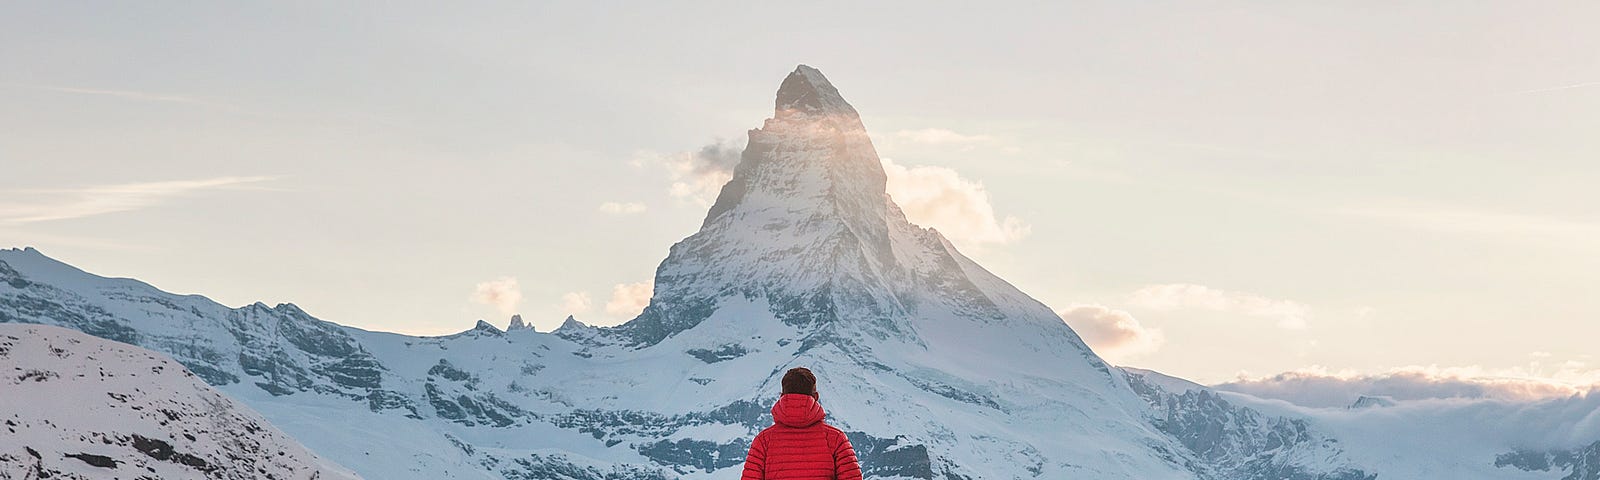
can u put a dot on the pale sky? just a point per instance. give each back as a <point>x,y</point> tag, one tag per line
<point>1211,188</point>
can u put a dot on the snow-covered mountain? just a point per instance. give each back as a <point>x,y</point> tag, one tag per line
<point>935,367</point>
<point>80,407</point>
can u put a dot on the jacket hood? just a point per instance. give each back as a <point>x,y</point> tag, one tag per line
<point>797,410</point>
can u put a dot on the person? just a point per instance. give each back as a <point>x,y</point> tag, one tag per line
<point>799,445</point>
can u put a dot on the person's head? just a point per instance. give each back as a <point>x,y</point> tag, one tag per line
<point>800,380</point>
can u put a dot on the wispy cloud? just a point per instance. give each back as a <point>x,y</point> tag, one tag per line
<point>1558,88</point>
<point>128,95</point>
<point>622,208</point>
<point>937,139</point>
<point>940,136</point>
<point>1181,296</point>
<point>1453,220</point>
<point>41,205</point>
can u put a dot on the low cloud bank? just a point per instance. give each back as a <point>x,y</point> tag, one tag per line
<point>1316,387</point>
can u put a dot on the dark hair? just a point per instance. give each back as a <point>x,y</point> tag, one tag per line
<point>799,380</point>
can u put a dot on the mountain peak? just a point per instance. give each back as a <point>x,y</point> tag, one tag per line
<point>807,91</point>
<point>572,323</point>
<point>1371,401</point>
<point>806,225</point>
<point>483,326</point>
<point>812,156</point>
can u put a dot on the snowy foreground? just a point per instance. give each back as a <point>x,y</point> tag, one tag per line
<point>80,407</point>
<point>936,368</point>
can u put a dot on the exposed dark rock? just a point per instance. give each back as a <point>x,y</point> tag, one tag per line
<point>953,393</point>
<point>449,372</point>
<point>12,277</point>
<point>1236,443</point>
<point>163,451</point>
<point>696,454</point>
<point>101,461</point>
<point>380,400</point>
<point>546,467</point>
<point>1582,463</point>
<point>891,457</point>
<point>472,408</point>
<point>721,353</point>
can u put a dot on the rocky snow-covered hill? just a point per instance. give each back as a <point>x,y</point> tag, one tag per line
<point>935,367</point>
<point>79,407</point>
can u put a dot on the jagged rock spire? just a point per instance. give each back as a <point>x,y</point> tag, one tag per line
<point>806,226</point>
<point>805,217</point>
<point>814,155</point>
<point>807,90</point>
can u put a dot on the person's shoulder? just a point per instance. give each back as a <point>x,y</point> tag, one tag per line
<point>833,432</point>
<point>766,431</point>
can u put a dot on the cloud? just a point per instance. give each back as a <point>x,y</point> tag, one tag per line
<point>959,208</point>
<point>502,293</point>
<point>697,176</point>
<point>128,95</point>
<point>42,205</point>
<point>1114,334</point>
<point>1511,225</point>
<point>935,197</point>
<point>573,303</point>
<point>1558,88</point>
<point>628,299</point>
<point>939,136</point>
<point>936,140</point>
<point>1183,296</point>
<point>1316,386</point>
<point>629,208</point>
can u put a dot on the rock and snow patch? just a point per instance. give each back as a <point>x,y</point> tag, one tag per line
<point>79,407</point>
<point>1371,401</point>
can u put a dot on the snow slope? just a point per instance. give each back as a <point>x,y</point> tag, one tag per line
<point>78,407</point>
<point>935,367</point>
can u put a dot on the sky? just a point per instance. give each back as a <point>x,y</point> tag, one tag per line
<point>1223,191</point>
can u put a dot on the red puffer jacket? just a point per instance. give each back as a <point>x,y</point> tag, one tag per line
<point>799,446</point>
